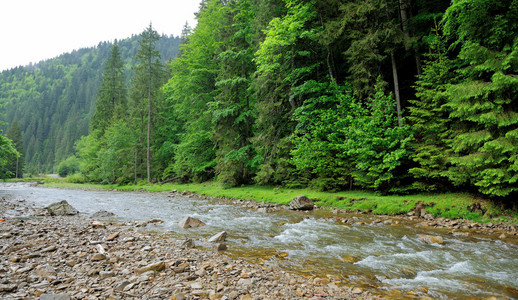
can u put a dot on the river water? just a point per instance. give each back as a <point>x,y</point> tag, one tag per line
<point>376,257</point>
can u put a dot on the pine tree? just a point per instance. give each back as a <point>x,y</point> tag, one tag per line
<point>145,89</point>
<point>112,97</point>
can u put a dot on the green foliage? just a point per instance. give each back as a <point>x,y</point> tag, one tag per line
<point>16,162</point>
<point>53,100</point>
<point>339,140</point>
<point>68,166</point>
<point>283,65</point>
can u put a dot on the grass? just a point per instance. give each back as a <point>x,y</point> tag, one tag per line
<point>447,205</point>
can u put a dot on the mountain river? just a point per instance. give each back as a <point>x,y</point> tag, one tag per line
<point>378,257</point>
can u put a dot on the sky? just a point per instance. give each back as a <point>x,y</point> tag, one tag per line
<point>35,30</point>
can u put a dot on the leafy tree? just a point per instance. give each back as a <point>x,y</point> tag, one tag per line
<point>16,162</point>
<point>6,152</point>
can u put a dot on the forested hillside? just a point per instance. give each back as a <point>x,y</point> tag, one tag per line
<point>395,96</point>
<point>52,101</point>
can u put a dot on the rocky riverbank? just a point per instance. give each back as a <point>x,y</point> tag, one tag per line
<point>80,257</point>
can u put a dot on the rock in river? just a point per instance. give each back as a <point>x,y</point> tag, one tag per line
<point>431,239</point>
<point>189,222</point>
<point>61,209</point>
<point>219,237</point>
<point>301,203</point>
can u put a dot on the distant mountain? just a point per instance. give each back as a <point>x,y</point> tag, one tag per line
<point>53,100</point>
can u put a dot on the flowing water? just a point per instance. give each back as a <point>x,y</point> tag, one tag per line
<point>377,257</point>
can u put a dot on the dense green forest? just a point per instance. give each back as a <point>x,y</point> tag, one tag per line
<point>394,96</point>
<point>52,101</point>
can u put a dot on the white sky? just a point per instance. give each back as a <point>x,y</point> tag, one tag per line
<point>34,30</point>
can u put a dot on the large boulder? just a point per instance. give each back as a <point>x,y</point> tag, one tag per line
<point>189,222</point>
<point>61,209</point>
<point>301,203</point>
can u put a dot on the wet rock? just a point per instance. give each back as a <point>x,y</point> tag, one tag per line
<point>301,203</point>
<point>61,209</point>
<point>219,237</point>
<point>432,239</point>
<point>102,214</point>
<point>189,222</point>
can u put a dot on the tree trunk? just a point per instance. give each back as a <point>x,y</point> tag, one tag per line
<point>396,87</point>
<point>148,154</point>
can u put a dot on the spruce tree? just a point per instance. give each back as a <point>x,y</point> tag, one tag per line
<point>112,96</point>
<point>484,100</point>
<point>145,90</point>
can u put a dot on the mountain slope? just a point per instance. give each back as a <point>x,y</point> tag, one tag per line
<point>54,100</point>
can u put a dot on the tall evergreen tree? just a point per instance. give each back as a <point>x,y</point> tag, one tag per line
<point>112,97</point>
<point>483,101</point>
<point>145,89</point>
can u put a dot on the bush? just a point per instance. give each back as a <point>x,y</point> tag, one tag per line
<point>68,166</point>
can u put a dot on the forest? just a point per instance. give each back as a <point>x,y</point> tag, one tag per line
<point>47,106</point>
<point>396,96</point>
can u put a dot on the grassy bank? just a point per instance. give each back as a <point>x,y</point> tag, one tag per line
<point>447,205</point>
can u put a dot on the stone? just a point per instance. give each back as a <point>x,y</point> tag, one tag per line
<point>219,237</point>
<point>112,236</point>
<point>98,257</point>
<point>120,287</point>
<point>220,247</point>
<point>189,222</point>
<point>47,272</point>
<point>301,203</point>
<point>156,267</point>
<point>188,243</point>
<point>61,209</point>
<point>55,297</point>
<point>106,274</point>
<point>178,296</point>
<point>8,288</point>
<point>102,214</point>
<point>432,239</point>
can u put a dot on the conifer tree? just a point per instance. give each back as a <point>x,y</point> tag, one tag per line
<point>112,97</point>
<point>483,101</point>
<point>145,90</point>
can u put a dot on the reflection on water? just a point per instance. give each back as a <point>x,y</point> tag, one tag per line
<point>385,257</point>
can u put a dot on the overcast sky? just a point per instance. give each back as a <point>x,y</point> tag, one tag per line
<point>33,30</point>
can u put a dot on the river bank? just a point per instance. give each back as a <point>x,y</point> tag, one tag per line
<point>75,257</point>
<point>445,205</point>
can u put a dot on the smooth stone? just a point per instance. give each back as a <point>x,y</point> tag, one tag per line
<point>432,239</point>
